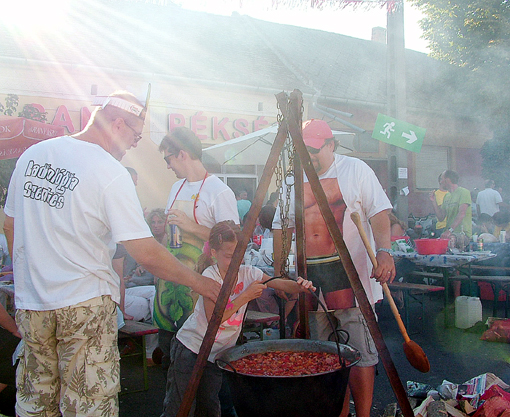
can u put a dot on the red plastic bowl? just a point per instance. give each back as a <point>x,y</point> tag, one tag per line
<point>431,246</point>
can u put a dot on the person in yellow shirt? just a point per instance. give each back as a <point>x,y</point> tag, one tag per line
<point>440,193</point>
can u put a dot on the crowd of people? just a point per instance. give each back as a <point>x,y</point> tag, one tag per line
<point>492,214</point>
<point>83,250</point>
<point>461,216</point>
<point>473,214</point>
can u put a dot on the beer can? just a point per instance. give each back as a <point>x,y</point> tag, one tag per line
<point>174,236</point>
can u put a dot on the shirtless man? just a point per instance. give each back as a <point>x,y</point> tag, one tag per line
<point>350,186</point>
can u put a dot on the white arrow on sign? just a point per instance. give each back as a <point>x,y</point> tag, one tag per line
<point>410,136</point>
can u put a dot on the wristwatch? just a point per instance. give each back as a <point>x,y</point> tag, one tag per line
<point>450,229</point>
<point>388,251</point>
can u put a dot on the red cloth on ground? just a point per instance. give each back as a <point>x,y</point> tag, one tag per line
<point>496,402</point>
<point>499,331</point>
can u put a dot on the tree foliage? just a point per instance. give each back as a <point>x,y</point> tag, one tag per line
<point>11,103</point>
<point>474,34</point>
<point>31,112</point>
<point>7,165</point>
<point>496,159</point>
<point>471,33</point>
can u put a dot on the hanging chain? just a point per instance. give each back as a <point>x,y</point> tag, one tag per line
<point>285,180</point>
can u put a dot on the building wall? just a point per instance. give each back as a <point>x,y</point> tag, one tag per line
<point>458,138</point>
<point>467,162</point>
<point>65,93</point>
<point>201,103</point>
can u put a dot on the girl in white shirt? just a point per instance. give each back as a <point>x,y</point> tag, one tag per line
<point>214,263</point>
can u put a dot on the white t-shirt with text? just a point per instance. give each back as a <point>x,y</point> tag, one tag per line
<point>71,202</point>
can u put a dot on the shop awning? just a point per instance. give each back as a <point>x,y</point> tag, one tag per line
<point>17,134</point>
<point>254,148</point>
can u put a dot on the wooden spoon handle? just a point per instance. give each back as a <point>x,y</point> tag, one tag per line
<point>395,312</point>
<point>357,221</point>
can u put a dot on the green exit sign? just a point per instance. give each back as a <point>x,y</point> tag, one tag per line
<point>398,133</point>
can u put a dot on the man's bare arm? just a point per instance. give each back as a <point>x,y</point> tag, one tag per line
<point>161,263</point>
<point>380,223</point>
<point>199,231</point>
<point>118,267</point>
<point>180,219</point>
<point>8,323</point>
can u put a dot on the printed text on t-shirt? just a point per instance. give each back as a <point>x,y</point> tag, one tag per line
<point>61,178</point>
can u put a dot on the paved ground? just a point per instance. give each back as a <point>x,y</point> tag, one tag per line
<point>455,355</point>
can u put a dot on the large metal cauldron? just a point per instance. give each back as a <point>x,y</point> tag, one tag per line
<point>288,396</point>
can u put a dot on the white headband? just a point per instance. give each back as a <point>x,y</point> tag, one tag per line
<point>120,103</point>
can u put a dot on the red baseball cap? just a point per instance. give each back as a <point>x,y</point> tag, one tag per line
<point>315,133</point>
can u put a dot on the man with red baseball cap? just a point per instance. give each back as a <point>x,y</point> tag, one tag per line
<point>350,186</point>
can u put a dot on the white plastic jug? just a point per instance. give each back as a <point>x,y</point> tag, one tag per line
<point>468,311</point>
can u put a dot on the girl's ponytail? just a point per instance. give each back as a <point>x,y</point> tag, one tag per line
<point>205,260</point>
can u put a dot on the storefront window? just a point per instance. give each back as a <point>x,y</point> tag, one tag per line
<point>430,162</point>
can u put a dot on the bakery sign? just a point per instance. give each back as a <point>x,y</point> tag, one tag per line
<point>211,127</point>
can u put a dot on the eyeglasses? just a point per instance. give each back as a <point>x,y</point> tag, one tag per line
<point>138,136</point>
<point>167,158</point>
<point>315,151</point>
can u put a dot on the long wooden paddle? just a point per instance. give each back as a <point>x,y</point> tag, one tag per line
<point>414,353</point>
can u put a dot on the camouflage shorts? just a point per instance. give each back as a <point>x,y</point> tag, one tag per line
<point>70,364</point>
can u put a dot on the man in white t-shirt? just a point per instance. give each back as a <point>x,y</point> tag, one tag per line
<point>70,201</point>
<point>350,186</point>
<point>488,200</point>
<point>196,203</point>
